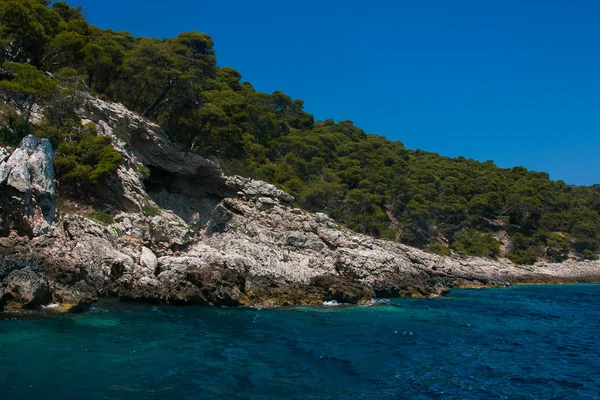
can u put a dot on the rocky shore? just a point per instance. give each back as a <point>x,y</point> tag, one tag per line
<point>188,234</point>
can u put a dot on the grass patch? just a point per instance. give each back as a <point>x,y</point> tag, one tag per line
<point>150,210</point>
<point>101,217</point>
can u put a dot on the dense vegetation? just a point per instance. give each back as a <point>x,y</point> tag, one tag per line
<point>371,184</point>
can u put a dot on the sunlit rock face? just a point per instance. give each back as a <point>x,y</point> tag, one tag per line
<point>27,190</point>
<point>188,234</point>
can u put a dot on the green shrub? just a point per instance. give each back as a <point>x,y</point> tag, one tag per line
<point>558,246</point>
<point>13,127</point>
<point>144,171</point>
<point>438,248</point>
<point>524,257</point>
<point>28,87</point>
<point>86,160</point>
<point>119,132</point>
<point>470,242</point>
<point>589,255</point>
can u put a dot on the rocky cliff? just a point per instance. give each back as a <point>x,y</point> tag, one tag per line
<point>188,234</point>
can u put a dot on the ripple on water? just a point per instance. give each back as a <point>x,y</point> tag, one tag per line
<point>97,321</point>
<point>526,342</point>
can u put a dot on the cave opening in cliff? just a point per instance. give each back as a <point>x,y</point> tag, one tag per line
<point>188,197</point>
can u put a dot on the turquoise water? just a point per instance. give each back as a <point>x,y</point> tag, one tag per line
<point>526,342</point>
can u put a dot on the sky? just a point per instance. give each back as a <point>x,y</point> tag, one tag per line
<point>516,82</point>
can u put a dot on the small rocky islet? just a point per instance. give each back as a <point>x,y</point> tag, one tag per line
<point>186,233</point>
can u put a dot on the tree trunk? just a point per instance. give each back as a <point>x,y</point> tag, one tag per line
<point>160,98</point>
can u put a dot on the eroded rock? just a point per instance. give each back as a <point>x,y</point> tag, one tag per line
<point>25,288</point>
<point>27,190</point>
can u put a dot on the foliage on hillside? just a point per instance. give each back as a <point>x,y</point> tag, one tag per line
<point>365,181</point>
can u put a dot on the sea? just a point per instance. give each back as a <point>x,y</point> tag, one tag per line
<point>521,342</point>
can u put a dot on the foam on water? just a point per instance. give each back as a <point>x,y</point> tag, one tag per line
<point>527,342</point>
<point>380,301</point>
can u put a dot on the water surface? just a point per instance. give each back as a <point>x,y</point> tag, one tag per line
<point>527,342</point>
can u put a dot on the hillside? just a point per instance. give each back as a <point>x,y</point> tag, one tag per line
<point>167,226</point>
<point>51,56</point>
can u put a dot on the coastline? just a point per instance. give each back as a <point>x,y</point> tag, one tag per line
<point>116,304</point>
<point>192,235</point>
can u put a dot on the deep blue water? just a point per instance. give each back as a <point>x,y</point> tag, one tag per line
<point>527,342</point>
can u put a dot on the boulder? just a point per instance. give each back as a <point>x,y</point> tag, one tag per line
<point>26,289</point>
<point>148,259</point>
<point>251,188</point>
<point>27,190</point>
<point>342,289</point>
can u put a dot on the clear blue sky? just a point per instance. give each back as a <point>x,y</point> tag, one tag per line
<point>517,82</point>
